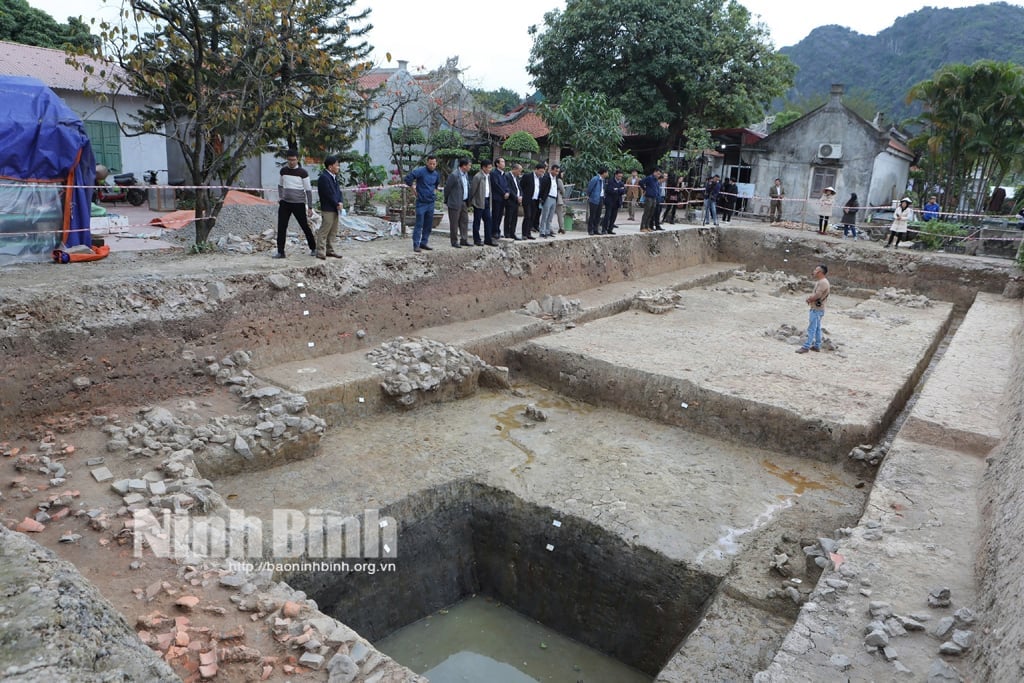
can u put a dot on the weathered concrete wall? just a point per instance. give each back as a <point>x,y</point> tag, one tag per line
<point>55,626</point>
<point>998,657</point>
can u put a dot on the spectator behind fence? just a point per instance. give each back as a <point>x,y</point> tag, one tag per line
<point>850,217</point>
<point>931,209</point>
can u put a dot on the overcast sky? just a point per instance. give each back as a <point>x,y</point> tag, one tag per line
<point>493,45</point>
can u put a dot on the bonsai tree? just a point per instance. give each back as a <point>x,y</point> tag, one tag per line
<point>447,146</point>
<point>518,147</point>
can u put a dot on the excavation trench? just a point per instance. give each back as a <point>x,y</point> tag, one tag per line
<point>679,453</point>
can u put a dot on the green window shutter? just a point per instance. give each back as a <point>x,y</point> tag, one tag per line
<point>106,143</point>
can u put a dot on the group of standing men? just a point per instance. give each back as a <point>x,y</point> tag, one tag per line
<point>496,195</point>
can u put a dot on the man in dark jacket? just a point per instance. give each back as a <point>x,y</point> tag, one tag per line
<point>614,191</point>
<point>514,201</point>
<point>330,208</point>
<point>499,195</point>
<point>535,186</point>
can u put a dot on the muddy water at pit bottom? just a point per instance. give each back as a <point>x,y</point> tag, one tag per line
<point>482,640</point>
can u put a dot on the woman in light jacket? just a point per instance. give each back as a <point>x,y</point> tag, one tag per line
<point>825,204</point>
<point>900,222</point>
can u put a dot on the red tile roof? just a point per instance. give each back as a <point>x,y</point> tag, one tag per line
<point>46,64</point>
<point>530,121</point>
<point>900,147</point>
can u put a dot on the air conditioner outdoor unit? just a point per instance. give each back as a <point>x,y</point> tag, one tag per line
<point>829,150</point>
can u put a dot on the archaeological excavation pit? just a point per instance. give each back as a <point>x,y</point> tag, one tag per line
<point>683,447</point>
<point>569,574</point>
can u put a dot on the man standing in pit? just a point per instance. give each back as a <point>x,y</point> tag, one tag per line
<point>294,194</point>
<point>816,303</point>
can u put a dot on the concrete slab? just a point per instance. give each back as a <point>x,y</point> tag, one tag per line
<point>960,408</point>
<point>716,366</point>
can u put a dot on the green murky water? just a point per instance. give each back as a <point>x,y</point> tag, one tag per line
<point>481,640</point>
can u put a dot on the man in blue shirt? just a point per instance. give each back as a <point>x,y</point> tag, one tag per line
<point>595,197</point>
<point>651,187</point>
<point>931,209</point>
<point>425,180</point>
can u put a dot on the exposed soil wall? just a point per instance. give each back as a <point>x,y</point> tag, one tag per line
<point>998,656</point>
<point>947,277</point>
<point>127,338</point>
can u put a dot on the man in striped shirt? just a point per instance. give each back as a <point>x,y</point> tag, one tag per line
<point>295,194</point>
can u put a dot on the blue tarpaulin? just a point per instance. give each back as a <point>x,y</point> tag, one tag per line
<point>46,166</point>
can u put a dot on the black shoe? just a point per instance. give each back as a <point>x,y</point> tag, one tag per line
<point>280,255</point>
<point>416,249</point>
<point>333,255</point>
<point>456,245</point>
<point>312,252</point>
<point>464,243</point>
<point>490,244</point>
<point>477,244</point>
<point>426,248</point>
<point>517,239</point>
<point>529,237</point>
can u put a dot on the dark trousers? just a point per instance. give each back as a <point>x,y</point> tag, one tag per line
<point>481,215</point>
<point>511,217</point>
<point>650,213</point>
<point>458,222</point>
<point>497,215</point>
<point>611,212</point>
<point>593,218</point>
<point>670,213</point>
<point>531,216</point>
<point>284,211</point>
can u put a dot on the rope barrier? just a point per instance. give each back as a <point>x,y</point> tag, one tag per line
<point>359,189</point>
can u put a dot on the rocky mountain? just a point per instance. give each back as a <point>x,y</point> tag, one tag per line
<point>885,66</point>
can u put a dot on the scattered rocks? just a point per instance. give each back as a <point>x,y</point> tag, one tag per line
<point>534,413</point>
<point>902,297</point>
<point>657,301</point>
<point>417,365</point>
<point>553,308</point>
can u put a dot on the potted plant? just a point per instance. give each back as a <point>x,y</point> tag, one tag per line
<point>570,216</point>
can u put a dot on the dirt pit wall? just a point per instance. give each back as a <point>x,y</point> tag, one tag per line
<point>128,337</point>
<point>946,277</point>
<point>462,539</point>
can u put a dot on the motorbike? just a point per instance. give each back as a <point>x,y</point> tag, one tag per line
<point>124,189</point>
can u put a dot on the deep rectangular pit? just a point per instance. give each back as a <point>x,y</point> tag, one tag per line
<point>629,602</point>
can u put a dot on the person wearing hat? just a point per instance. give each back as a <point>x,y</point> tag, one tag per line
<point>900,221</point>
<point>825,204</point>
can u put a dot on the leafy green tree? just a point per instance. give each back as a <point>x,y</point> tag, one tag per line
<point>588,125</point>
<point>972,132</point>
<point>519,147</point>
<point>685,63</point>
<point>404,141</point>
<point>501,100</point>
<point>21,23</point>
<point>230,79</point>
